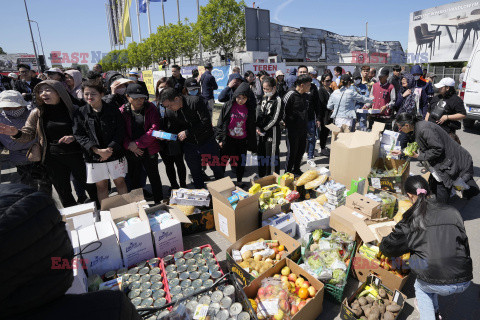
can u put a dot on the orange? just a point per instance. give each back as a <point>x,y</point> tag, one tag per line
<point>303,293</point>
<point>281,247</point>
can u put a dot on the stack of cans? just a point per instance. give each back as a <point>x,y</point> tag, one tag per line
<point>144,286</point>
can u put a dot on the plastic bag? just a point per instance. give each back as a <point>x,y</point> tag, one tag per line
<point>273,299</point>
<point>307,177</point>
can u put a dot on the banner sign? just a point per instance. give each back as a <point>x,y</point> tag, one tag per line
<point>271,68</point>
<point>221,76</point>
<point>148,79</point>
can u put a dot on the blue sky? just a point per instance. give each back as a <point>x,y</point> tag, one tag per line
<point>80,25</point>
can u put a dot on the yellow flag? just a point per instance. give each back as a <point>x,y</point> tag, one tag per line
<point>126,21</point>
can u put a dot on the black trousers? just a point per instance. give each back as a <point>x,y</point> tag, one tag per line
<point>59,168</point>
<point>296,143</point>
<point>150,164</point>
<point>268,152</point>
<point>323,133</point>
<point>170,163</point>
<point>441,192</point>
<point>236,151</point>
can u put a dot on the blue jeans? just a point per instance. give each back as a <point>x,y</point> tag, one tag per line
<point>198,155</point>
<point>311,138</point>
<point>427,296</point>
<point>362,121</point>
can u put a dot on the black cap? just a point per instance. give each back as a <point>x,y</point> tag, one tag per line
<point>208,66</point>
<point>397,68</point>
<point>191,84</point>
<point>384,73</point>
<point>345,77</point>
<point>357,74</point>
<point>135,91</point>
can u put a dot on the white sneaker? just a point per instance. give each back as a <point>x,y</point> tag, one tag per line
<point>311,163</point>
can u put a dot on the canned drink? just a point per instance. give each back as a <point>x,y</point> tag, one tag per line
<point>125,277</point>
<point>178,255</point>
<point>186,283</point>
<point>201,262</point>
<point>168,260</point>
<point>235,309</point>
<point>204,300</point>
<point>157,278</point>
<point>137,301</point>
<point>153,263</point>
<point>207,249</point>
<point>146,285</point>
<point>163,314</point>
<point>201,288</point>
<point>173,283</point>
<point>134,277</point>
<point>222,315</point>
<point>121,271</point>
<point>184,276</point>
<point>196,250</point>
<point>155,270</point>
<point>177,297</point>
<point>134,293</point>
<point>188,255</point>
<point>142,264</point>
<point>213,267</point>
<point>211,261</point>
<point>179,262</point>
<point>205,276</point>
<point>157,286</point>
<point>134,270</point>
<point>191,262</point>
<point>226,303</point>
<point>203,269</point>
<point>243,316</point>
<point>175,290</point>
<point>188,291</point>
<point>196,283</point>
<point>144,271</point>
<point>194,275</point>
<point>208,255</point>
<point>110,275</point>
<point>146,294</point>
<point>145,278</point>
<point>229,291</point>
<point>192,268</point>
<point>172,275</point>
<point>216,296</point>
<point>182,268</point>
<point>216,274</point>
<point>134,285</point>
<point>158,294</point>
<point>192,306</point>
<point>160,303</point>
<point>208,283</point>
<point>146,303</point>
<point>198,256</point>
<point>213,309</point>
<point>170,268</point>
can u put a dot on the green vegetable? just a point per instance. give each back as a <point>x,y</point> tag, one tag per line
<point>317,234</point>
<point>410,149</point>
<point>338,276</point>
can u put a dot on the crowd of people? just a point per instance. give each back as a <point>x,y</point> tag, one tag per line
<point>61,128</point>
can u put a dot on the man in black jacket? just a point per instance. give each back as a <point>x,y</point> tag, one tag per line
<point>209,84</point>
<point>189,118</point>
<point>26,83</point>
<point>296,121</point>
<point>177,79</point>
<point>34,234</point>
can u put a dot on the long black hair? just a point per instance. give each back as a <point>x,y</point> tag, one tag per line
<point>415,216</point>
<point>407,118</point>
<point>450,92</point>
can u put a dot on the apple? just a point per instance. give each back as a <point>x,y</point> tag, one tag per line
<point>261,293</point>
<point>311,291</point>
<point>285,271</point>
<point>299,282</point>
<point>275,249</point>
<point>301,305</point>
<point>277,276</point>
<point>293,310</point>
<point>278,256</point>
<point>284,278</point>
<point>283,305</point>
<point>278,315</point>
<point>305,284</point>
<point>269,289</point>
<point>292,277</point>
<point>282,295</point>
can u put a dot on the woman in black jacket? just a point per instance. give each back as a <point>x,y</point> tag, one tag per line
<point>100,129</point>
<point>269,115</point>
<point>324,93</point>
<point>235,130</point>
<point>435,236</point>
<point>450,164</point>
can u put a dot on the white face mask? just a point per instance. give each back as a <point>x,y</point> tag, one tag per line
<point>269,94</point>
<point>358,81</point>
<point>416,77</point>
<point>15,113</point>
<point>121,91</point>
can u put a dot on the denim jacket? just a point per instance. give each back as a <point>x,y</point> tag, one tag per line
<point>344,101</point>
<point>363,90</point>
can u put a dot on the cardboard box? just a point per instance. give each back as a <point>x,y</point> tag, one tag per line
<point>284,222</point>
<point>190,197</point>
<point>135,239</point>
<point>232,223</point>
<point>79,284</point>
<point>80,221</point>
<point>201,222</point>
<point>274,179</point>
<point>103,256</point>
<point>396,296</point>
<point>312,309</point>
<point>73,211</point>
<point>267,233</point>
<point>167,236</point>
<point>353,154</point>
<point>364,205</point>
<point>122,199</point>
<point>392,184</point>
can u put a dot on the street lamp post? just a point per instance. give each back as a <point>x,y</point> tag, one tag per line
<point>31,34</point>
<point>40,36</point>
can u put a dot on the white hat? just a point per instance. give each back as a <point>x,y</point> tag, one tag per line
<point>13,75</point>
<point>11,99</point>
<point>311,70</point>
<point>279,73</point>
<point>445,82</point>
<point>133,71</point>
<point>54,70</point>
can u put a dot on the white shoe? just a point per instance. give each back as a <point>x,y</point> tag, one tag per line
<point>311,163</point>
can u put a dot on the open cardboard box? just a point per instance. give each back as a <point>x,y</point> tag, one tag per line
<point>122,199</point>
<point>292,246</point>
<point>312,309</point>
<point>353,154</point>
<point>269,180</point>
<point>346,312</point>
<point>167,236</point>
<point>229,222</point>
<point>81,209</point>
<point>391,184</point>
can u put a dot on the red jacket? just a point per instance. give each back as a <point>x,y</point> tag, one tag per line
<point>152,122</point>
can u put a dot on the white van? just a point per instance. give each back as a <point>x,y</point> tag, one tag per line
<point>471,88</point>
